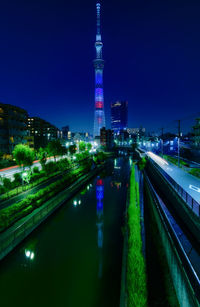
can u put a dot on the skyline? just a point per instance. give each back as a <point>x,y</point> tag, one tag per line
<point>151,52</point>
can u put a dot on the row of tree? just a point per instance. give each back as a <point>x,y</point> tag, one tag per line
<point>24,155</point>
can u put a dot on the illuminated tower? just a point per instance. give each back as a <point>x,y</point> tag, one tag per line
<point>99,116</point>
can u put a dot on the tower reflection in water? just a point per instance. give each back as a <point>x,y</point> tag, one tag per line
<point>99,197</point>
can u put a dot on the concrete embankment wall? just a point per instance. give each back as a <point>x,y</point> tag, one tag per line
<point>184,291</point>
<point>21,229</point>
<point>190,220</point>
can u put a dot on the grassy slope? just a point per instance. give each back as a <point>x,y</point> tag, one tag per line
<point>136,272</point>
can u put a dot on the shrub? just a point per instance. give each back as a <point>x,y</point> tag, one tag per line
<point>17,179</point>
<point>142,163</point>
<point>50,167</point>
<point>7,184</point>
<point>36,170</point>
<point>10,215</point>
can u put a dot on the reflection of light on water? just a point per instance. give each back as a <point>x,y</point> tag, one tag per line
<point>99,198</point>
<point>29,254</point>
<point>117,167</point>
<point>116,184</point>
<point>100,235</point>
<point>76,202</point>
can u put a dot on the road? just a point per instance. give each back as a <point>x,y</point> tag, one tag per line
<point>10,171</point>
<point>188,182</point>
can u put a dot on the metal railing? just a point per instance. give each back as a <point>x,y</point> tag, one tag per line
<point>188,199</point>
<point>183,259</point>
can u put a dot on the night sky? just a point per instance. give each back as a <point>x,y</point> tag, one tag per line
<point>151,52</point>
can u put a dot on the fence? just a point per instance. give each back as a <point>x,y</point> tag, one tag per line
<point>185,279</point>
<point>191,202</point>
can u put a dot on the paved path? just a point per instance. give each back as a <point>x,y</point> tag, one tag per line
<point>188,182</point>
<point>10,171</point>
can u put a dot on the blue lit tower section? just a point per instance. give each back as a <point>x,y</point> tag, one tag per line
<point>99,115</point>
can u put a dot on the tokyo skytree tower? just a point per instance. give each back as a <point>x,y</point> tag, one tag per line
<point>99,115</point>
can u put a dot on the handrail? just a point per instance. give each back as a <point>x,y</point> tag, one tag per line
<point>189,200</point>
<point>191,274</point>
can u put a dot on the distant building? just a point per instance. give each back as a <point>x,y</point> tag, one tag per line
<point>106,138</point>
<point>12,127</point>
<point>119,116</point>
<point>196,134</point>
<point>42,131</point>
<point>81,136</point>
<point>65,132</point>
<point>133,131</point>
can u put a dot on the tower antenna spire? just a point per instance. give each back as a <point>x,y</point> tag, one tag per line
<point>98,6</point>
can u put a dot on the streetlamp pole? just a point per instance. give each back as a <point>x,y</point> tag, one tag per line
<point>179,136</point>
<point>162,142</point>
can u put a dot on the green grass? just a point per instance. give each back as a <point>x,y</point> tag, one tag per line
<point>136,271</point>
<point>175,160</point>
<point>10,215</point>
<point>195,172</point>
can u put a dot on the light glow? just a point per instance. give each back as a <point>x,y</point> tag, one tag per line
<point>157,159</point>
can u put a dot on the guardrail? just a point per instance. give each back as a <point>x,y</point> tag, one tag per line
<point>191,202</point>
<point>182,260</point>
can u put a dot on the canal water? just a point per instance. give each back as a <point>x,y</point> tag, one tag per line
<point>74,258</point>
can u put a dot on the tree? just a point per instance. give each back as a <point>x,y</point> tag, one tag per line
<point>23,155</point>
<point>89,146</point>
<point>55,148</point>
<point>72,149</point>
<point>42,156</point>
<point>82,146</point>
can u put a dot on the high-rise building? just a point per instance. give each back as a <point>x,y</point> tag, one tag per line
<point>119,116</point>
<point>42,131</point>
<point>106,138</point>
<point>12,127</point>
<point>99,115</point>
<point>65,131</point>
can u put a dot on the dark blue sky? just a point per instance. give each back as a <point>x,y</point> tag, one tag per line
<point>151,51</point>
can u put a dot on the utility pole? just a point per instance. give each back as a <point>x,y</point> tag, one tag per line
<point>179,136</point>
<point>162,129</point>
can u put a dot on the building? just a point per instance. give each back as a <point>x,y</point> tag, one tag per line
<point>119,116</point>
<point>42,131</point>
<point>12,127</point>
<point>106,138</point>
<point>196,134</point>
<point>65,132</point>
<point>99,115</point>
<point>134,131</point>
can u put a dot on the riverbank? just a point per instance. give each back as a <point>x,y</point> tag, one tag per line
<point>134,283</point>
<point>10,238</point>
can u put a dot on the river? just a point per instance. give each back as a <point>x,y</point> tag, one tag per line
<point>74,258</point>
